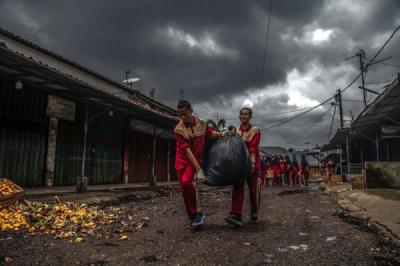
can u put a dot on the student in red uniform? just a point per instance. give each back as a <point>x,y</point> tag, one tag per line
<point>275,169</point>
<point>304,170</point>
<point>295,172</point>
<point>282,166</point>
<point>190,135</point>
<point>287,169</point>
<point>268,173</point>
<point>251,136</point>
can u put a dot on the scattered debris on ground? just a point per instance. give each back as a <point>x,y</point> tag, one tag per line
<point>293,230</point>
<point>62,220</point>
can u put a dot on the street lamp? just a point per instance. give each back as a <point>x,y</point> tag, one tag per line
<point>83,180</point>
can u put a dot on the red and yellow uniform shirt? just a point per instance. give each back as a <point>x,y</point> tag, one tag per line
<point>191,136</point>
<point>251,137</point>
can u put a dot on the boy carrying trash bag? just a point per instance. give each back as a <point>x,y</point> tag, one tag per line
<point>190,134</point>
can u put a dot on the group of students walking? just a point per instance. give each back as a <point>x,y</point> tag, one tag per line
<point>191,133</point>
<point>284,171</point>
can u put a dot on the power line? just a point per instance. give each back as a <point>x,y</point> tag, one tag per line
<point>392,65</point>
<point>313,108</point>
<point>352,82</point>
<point>343,90</point>
<point>310,127</point>
<point>353,101</point>
<point>377,83</point>
<point>265,56</point>
<point>272,114</point>
<point>298,115</point>
<point>373,59</point>
<point>304,126</point>
<point>383,46</point>
<point>386,64</point>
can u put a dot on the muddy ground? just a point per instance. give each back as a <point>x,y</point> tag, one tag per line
<point>295,229</point>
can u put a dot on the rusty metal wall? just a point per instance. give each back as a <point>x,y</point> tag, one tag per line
<point>23,133</point>
<point>161,160</point>
<point>104,148</point>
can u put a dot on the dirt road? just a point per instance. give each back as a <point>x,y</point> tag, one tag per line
<point>295,229</point>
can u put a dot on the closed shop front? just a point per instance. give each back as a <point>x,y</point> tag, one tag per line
<point>23,133</point>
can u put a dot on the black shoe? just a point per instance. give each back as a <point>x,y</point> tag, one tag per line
<point>234,219</point>
<point>254,219</point>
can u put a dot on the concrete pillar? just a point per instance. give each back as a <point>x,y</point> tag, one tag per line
<point>347,157</point>
<point>126,153</point>
<point>126,164</point>
<point>51,151</point>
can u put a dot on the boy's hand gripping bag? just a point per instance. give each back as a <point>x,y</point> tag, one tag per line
<point>227,161</point>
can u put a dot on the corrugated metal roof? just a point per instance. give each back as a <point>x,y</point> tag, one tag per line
<point>139,99</point>
<point>272,150</point>
<point>381,110</point>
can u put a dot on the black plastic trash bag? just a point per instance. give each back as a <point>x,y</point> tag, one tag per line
<point>226,161</point>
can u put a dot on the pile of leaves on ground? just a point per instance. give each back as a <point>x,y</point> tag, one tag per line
<point>69,220</point>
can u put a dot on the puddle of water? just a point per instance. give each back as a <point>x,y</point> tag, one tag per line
<point>314,188</point>
<point>331,238</point>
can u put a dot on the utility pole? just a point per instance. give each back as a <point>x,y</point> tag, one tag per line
<point>361,56</point>
<point>339,99</point>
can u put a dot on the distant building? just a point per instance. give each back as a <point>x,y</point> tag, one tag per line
<point>270,151</point>
<point>372,142</point>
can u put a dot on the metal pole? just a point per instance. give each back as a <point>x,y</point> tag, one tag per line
<point>347,156</point>
<point>319,160</point>
<point>340,163</point>
<point>360,55</point>
<point>339,93</point>
<point>85,140</point>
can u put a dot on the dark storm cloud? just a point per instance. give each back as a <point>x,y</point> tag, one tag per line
<point>111,37</point>
<point>214,49</point>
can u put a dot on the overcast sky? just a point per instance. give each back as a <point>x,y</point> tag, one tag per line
<point>214,50</point>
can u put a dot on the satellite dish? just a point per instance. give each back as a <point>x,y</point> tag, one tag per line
<point>130,81</point>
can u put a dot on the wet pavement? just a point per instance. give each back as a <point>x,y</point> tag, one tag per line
<point>296,228</point>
